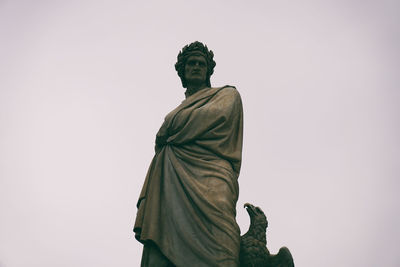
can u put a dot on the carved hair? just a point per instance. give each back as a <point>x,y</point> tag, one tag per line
<point>195,48</point>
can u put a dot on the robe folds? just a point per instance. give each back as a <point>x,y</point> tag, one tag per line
<point>187,205</point>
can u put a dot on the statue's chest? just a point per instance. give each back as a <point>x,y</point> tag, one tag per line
<point>177,119</point>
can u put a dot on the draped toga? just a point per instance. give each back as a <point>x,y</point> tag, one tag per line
<point>187,205</point>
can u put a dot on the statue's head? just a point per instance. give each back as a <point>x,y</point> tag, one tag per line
<point>196,51</point>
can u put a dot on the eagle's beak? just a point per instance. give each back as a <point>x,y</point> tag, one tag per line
<point>250,208</point>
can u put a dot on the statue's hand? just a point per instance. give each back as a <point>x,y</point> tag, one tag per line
<point>157,148</point>
<point>161,141</point>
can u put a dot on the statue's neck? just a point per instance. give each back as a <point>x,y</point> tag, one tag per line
<point>192,89</point>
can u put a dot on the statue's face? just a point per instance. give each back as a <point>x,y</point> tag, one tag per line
<point>196,70</point>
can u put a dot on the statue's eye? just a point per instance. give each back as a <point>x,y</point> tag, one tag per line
<point>195,62</point>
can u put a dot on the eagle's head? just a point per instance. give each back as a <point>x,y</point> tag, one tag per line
<point>257,216</point>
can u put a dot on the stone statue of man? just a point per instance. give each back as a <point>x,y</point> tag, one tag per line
<point>187,206</point>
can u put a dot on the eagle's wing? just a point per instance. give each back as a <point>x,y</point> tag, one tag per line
<point>282,259</point>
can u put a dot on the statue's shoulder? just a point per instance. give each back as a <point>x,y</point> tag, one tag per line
<point>229,90</point>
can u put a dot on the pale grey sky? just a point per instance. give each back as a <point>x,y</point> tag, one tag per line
<point>84,86</point>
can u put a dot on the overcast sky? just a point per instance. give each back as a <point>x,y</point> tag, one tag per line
<point>85,85</point>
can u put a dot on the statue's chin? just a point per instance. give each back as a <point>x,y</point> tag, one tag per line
<point>195,82</point>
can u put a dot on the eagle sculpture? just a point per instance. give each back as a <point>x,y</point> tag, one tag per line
<point>253,244</point>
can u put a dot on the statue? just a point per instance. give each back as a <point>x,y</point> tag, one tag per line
<point>187,207</point>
